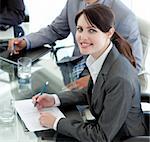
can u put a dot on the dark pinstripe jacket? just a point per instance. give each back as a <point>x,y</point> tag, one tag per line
<point>114,101</point>
<point>12,12</point>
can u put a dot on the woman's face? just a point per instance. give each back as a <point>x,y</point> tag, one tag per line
<point>90,39</point>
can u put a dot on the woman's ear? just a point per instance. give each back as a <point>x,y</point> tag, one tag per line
<point>111,32</point>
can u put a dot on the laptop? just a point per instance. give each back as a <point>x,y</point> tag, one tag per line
<point>34,54</point>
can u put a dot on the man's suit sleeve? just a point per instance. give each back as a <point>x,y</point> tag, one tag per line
<point>57,30</point>
<point>129,29</point>
<point>126,24</point>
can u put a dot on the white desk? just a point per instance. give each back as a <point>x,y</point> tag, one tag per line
<point>45,69</point>
<point>42,71</point>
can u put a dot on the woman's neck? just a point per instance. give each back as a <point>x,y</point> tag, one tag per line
<point>98,54</point>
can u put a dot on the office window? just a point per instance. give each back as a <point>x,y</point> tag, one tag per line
<point>43,12</point>
<point>139,7</point>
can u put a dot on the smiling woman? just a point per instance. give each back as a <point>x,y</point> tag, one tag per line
<point>111,95</point>
<point>90,39</point>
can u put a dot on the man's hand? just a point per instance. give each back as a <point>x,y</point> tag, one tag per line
<point>16,45</point>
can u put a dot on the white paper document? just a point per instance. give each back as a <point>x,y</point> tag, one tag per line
<point>30,114</point>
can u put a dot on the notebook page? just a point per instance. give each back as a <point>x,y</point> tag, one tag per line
<point>30,114</point>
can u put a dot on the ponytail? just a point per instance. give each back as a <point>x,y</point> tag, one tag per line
<point>123,47</point>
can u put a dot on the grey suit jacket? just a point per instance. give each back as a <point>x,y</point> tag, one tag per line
<point>114,101</point>
<point>126,25</point>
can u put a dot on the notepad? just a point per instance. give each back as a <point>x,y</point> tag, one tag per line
<point>30,114</point>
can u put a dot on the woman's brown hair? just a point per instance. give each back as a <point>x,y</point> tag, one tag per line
<point>103,18</point>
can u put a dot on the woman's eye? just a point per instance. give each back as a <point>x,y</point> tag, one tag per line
<point>92,31</point>
<point>79,29</point>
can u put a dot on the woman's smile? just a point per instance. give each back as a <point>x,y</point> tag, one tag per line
<point>85,44</point>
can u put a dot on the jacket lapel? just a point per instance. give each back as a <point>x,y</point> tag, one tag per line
<point>102,76</point>
<point>89,92</point>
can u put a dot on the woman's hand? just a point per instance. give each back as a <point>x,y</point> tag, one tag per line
<point>47,120</point>
<point>16,45</point>
<point>43,101</point>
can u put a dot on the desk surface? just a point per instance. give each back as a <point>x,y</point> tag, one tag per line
<point>44,70</point>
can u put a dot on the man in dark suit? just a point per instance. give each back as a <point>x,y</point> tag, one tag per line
<point>12,13</point>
